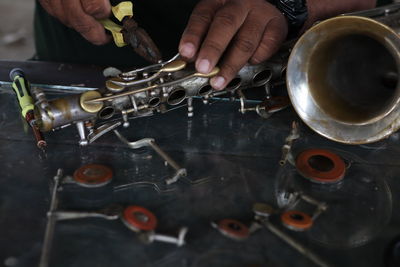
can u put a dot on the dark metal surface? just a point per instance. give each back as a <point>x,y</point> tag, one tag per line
<point>232,162</point>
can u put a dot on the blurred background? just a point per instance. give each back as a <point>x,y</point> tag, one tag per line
<point>16,29</point>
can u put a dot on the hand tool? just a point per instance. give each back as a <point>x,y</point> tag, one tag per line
<point>130,32</point>
<point>21,88</point>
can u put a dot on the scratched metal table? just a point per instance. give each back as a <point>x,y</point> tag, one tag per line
<point>232,162</point>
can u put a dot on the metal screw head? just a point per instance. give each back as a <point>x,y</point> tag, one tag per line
<point>263,210</point>
<point>83,142</point>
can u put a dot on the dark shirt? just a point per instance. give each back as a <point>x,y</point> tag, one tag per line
<point>163,20</point>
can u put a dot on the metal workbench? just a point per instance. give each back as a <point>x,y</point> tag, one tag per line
<point>231,160</point>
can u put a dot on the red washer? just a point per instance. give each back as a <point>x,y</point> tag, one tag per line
<point>296,220</point>
<point>139,219</point>
<point>233,229</point>
<point>333,173</point>
<point>93,175</point>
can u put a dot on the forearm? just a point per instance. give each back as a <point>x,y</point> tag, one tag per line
<point>323,9</point>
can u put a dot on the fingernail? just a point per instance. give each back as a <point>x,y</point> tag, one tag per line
<point>203,66</point>
<point>218,82</point>
<point>187,50</point>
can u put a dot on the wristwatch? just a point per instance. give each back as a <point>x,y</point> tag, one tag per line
<point>295,11</point>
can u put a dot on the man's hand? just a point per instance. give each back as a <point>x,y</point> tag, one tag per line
<point>81,15</point>
<point>232,33</point>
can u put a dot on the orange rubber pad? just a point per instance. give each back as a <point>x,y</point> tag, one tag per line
<point>233,229</point>
<point>139,219</point>
<point>332,175</point>
<point>296,220</point>
<point>93,175</point>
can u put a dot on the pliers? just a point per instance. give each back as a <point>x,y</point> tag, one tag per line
<point>128,32</point>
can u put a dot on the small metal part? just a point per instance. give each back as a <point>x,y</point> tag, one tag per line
<point>93,175</point>
<point>263,210</point>
<point>267,107</point>
<point>212,73</point>
<point>156,66</point>
<point>40,98</point>
<point>287,147</point>
<point>102,130</point>
<point>151,236</point>
<point>125,119</point>
<point>190,107</point>
<point>174,66</point>
<point>295,244</point>
<point>321,166</point>
<point>139,219</point>
<point>111,72</point>
<point>296,220</point>
<point>113,87</point>
<point>40,142</point>
<point>321,206</point>
<point>88,106</point>
<point>296,197</point>
<point>262,214</point>
<point>111,212</point>
<point>51,221</point>
<point>232,229</point>
<point>80,126</point>
<point>179,171</point>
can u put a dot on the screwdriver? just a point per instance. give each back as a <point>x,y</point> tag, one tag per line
<point>22,90</point>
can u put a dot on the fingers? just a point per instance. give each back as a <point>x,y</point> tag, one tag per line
<point>231,33</point>
<point>197,27</point>
<point>241,49</point>
<point>99,9</point>
<point>223,28</point>
<point>81,15</point>
<point>83,23</point>
<point>54,8</point>
<point>274,35</point>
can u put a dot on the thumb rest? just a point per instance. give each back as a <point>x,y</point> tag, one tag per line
<point>154,89</point>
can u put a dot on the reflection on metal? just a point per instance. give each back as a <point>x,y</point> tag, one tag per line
<point>154,89</point>
<point>151,236</point>
<point>111,213</point>
<point>286,149</point>
<point>342,76</point>
<point>51,221</point>
<point>360,204</point>
<point>149,142</point>
<point>262,218</point>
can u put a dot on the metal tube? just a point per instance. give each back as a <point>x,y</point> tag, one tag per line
<point>296,245</point>
<point>51,222</point>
